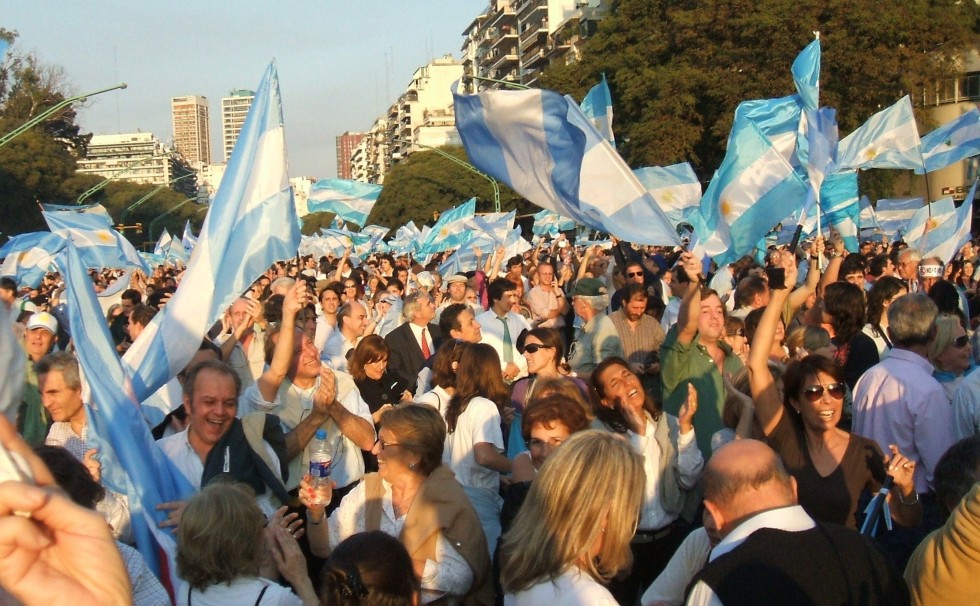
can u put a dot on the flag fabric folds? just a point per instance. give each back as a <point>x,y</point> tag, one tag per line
<point>27,257</point>
<point>954,141</point>
<point>676,188</point>
<point>806,75</point>
<point>251,224</point>
<point>450,230</point>
<point>350,200</point>
<point>893,214</point>
<point>104,248</point>
<point>841,207</point>
<point>597,107</point>
<point>132,463</point>
<point>546,149</point>
<point>91,217</point>
<point>889,139</point>
<point>947,233</point>
<point>188,239</point>
<point>548,222</point>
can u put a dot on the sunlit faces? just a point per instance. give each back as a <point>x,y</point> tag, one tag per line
<point>376,369</point>
<point>238,312</point>
<point>425,310</point>
<point>306,357</point>
<point>60,400</point>
<point>357,321</point>
<point>820,402</point>
<point>38,342</point>
<point>457,291</point>
<point>620,387</point>
<point>538,355</point>
<point>544,440</point>
<point>546,274</point>
<point>392,462</point>
<point>329,302</point>
<point>635,308</point>
<point>711,321</point>
<point>469,328</point>
<point>955,358</point>
<point>213,409</point>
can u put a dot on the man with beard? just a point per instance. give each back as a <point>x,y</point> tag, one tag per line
<point>640,334</point>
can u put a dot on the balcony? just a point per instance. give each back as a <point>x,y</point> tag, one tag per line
<point>505,60</point>
<point>508,36</point>
<point>506,15</point>
<point>533,30</point>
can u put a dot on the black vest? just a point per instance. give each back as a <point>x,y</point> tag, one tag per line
<point>825,565</point>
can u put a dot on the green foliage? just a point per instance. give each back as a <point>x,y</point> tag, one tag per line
<point>426,182</point>
<point>678,68</point>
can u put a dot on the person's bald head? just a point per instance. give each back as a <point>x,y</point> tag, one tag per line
<point>743,478</point>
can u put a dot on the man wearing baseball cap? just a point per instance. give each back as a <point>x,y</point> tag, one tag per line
<point>33,420</point>
<point>598,338</point>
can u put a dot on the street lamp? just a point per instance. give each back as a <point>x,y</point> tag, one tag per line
<point>157,190</point>
<point>125,169</point>
<point>516,85</point>
<point>43,116</point>
<point>466,165</point>
<point>169,212</point>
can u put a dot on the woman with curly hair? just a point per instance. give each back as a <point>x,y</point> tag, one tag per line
<point>844,310</point>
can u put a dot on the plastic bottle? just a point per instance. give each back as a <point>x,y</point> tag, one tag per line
<point>320,460</point>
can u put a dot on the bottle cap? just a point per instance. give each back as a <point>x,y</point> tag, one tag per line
<point>321,434</point>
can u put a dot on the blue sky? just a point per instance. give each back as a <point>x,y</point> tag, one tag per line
<point>340,63</point>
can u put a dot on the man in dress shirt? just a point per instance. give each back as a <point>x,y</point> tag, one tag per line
<point>547,300</point>
<point>352,321</point>
<point>751,508</point>
<point>501,328</point>
<point>639,334</point>
<point>416,340</point>
<point>908,267</point>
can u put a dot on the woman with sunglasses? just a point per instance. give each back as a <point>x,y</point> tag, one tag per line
<point>950,354</point>
<point>831,466</point>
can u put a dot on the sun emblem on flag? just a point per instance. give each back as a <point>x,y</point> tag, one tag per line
<point>726,208</point>
<point>871,153</point>
<point>444,232</point>
<point>668,196</point>
<point>104,236</point>
<point>21,257</point>
<point>931,224</point>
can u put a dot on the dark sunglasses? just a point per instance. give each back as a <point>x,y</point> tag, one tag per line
<point>961,341</point>
<point>740,332</point>
<point>634,274</point>
<point>815,392</point>
<point>534,347</point>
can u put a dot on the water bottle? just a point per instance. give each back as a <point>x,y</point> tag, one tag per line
<point>320,459</point>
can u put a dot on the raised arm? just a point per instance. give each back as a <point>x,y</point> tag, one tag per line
<point>799,296</point>
<point>768,407</point>
<point>282,356</point>
<point>690,310</point>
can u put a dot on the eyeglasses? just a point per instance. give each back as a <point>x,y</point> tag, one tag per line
<point>534,347</point>
<point>737,333</point>
<point>634,274</point>
<point>384,444</point>
<point>961,341</point>
<point>815,392</point>
<point>536,444</point>
<point>347,286</point>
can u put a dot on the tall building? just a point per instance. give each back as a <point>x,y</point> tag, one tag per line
<point>346,143</point>
<point>192,129</point>
<point>234,110</point>
<point>137,157</point>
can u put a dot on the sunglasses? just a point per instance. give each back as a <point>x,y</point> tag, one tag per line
<point>534,347</point>
<point>634,274</point>
<point>739,333</point>
<point>815,392</point>
<point>961,341</point>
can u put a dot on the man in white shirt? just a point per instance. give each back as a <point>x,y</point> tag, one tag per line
<point>244,347</point>
<point>500,328</point>
<point>352,322</point>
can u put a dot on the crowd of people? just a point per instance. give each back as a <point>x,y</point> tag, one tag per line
<point>597,425</point>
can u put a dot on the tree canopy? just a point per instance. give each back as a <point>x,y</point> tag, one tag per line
<point>678,68</point>
<point>426,183</point>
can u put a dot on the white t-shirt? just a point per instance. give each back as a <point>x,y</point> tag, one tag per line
<point>572,588</point>
<point>480,422</point>
<point>240,592</point>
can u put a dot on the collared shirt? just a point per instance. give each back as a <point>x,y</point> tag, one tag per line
<point>899,402</point>
<point>492,330</point>
<point>597,340</point>
<point>179,450</point>
<point>640,344</point>
<point>791,519</point>
<point>293,404</point>
<point>336,350</point>
<point>417,332</point>
<point>680,364</point>
<point>689,466</point>
<point>542,302</point>
<point>966,407</point>
<point>248,364</point>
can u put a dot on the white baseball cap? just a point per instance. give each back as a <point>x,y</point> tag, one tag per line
<point>43,320</point>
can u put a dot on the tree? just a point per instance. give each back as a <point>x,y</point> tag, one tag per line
<point>678,68</point>
<point>426,183</point>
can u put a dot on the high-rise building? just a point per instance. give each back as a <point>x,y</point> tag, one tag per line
<point>192,129</point>
<point>137,157</point>
<point>234,110</point>
<point>346,143</point>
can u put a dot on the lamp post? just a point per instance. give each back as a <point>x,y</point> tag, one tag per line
<point>155,191</point>
<point>125,169</point>
<point>44,115</point>
<point>167,213</point>
<point>466,165</point>
<point>516,85</point>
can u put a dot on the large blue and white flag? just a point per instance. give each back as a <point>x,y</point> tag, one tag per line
<point>597,107</point>
<point>820,138</point>
<point>893,214</point>
<point>947,233</point>
<point>188,239</point>
<point>952,142</point>
<point>465,259</point>
<point>841,207</point>
<point>251,224</point>
<point>676,188</point>
<point>91,217</point>
<point>163,244</point>
<point>547,222</point>
<point>350,200</point>
<point>495,225</point>
<point>132,463</point>
<point>543,147</point>
<point>777,119</point>
<point>450,230</point>
<point>889,139</point>
<point>407,239</point>
<point>927,218</point>
<point>104,247</point>
<point>749,194</point>
<point>27,257</point>
<point>806,75</point>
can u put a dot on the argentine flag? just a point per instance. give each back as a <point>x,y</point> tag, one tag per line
<point>675,187</point>
<point>450,230</point>
<point>250,225</point>
<point>350,200</point>
<point>841,207</point>
<point>188,239</point>
<point>104,247</point>
<point>27,257</point>
<point>91,217</point>
<point>548,222</point>
<point>889,139</point>
<point>952,142</point>
<point>547,150</point>
<point>597,107</point>
<point>944,233</point>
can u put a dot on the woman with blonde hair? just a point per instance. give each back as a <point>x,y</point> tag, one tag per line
<point>950,354</point>
<point>566,542</point>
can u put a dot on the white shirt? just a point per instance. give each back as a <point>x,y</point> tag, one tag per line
<point>966,407</point>
<point>689,465</point>
<point>572,588</point>
<point>492,330</point>
<point>323,330</point>
<point>479,423</point>
<point>688,560</point>
<point>335,351</point>
<point>242,591</point>
<point>792,519</point>
<point>179,450</point>
<point>898,401</point>
<point>671,313</point>
<point>417,332</point>
<point>437,398</point>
